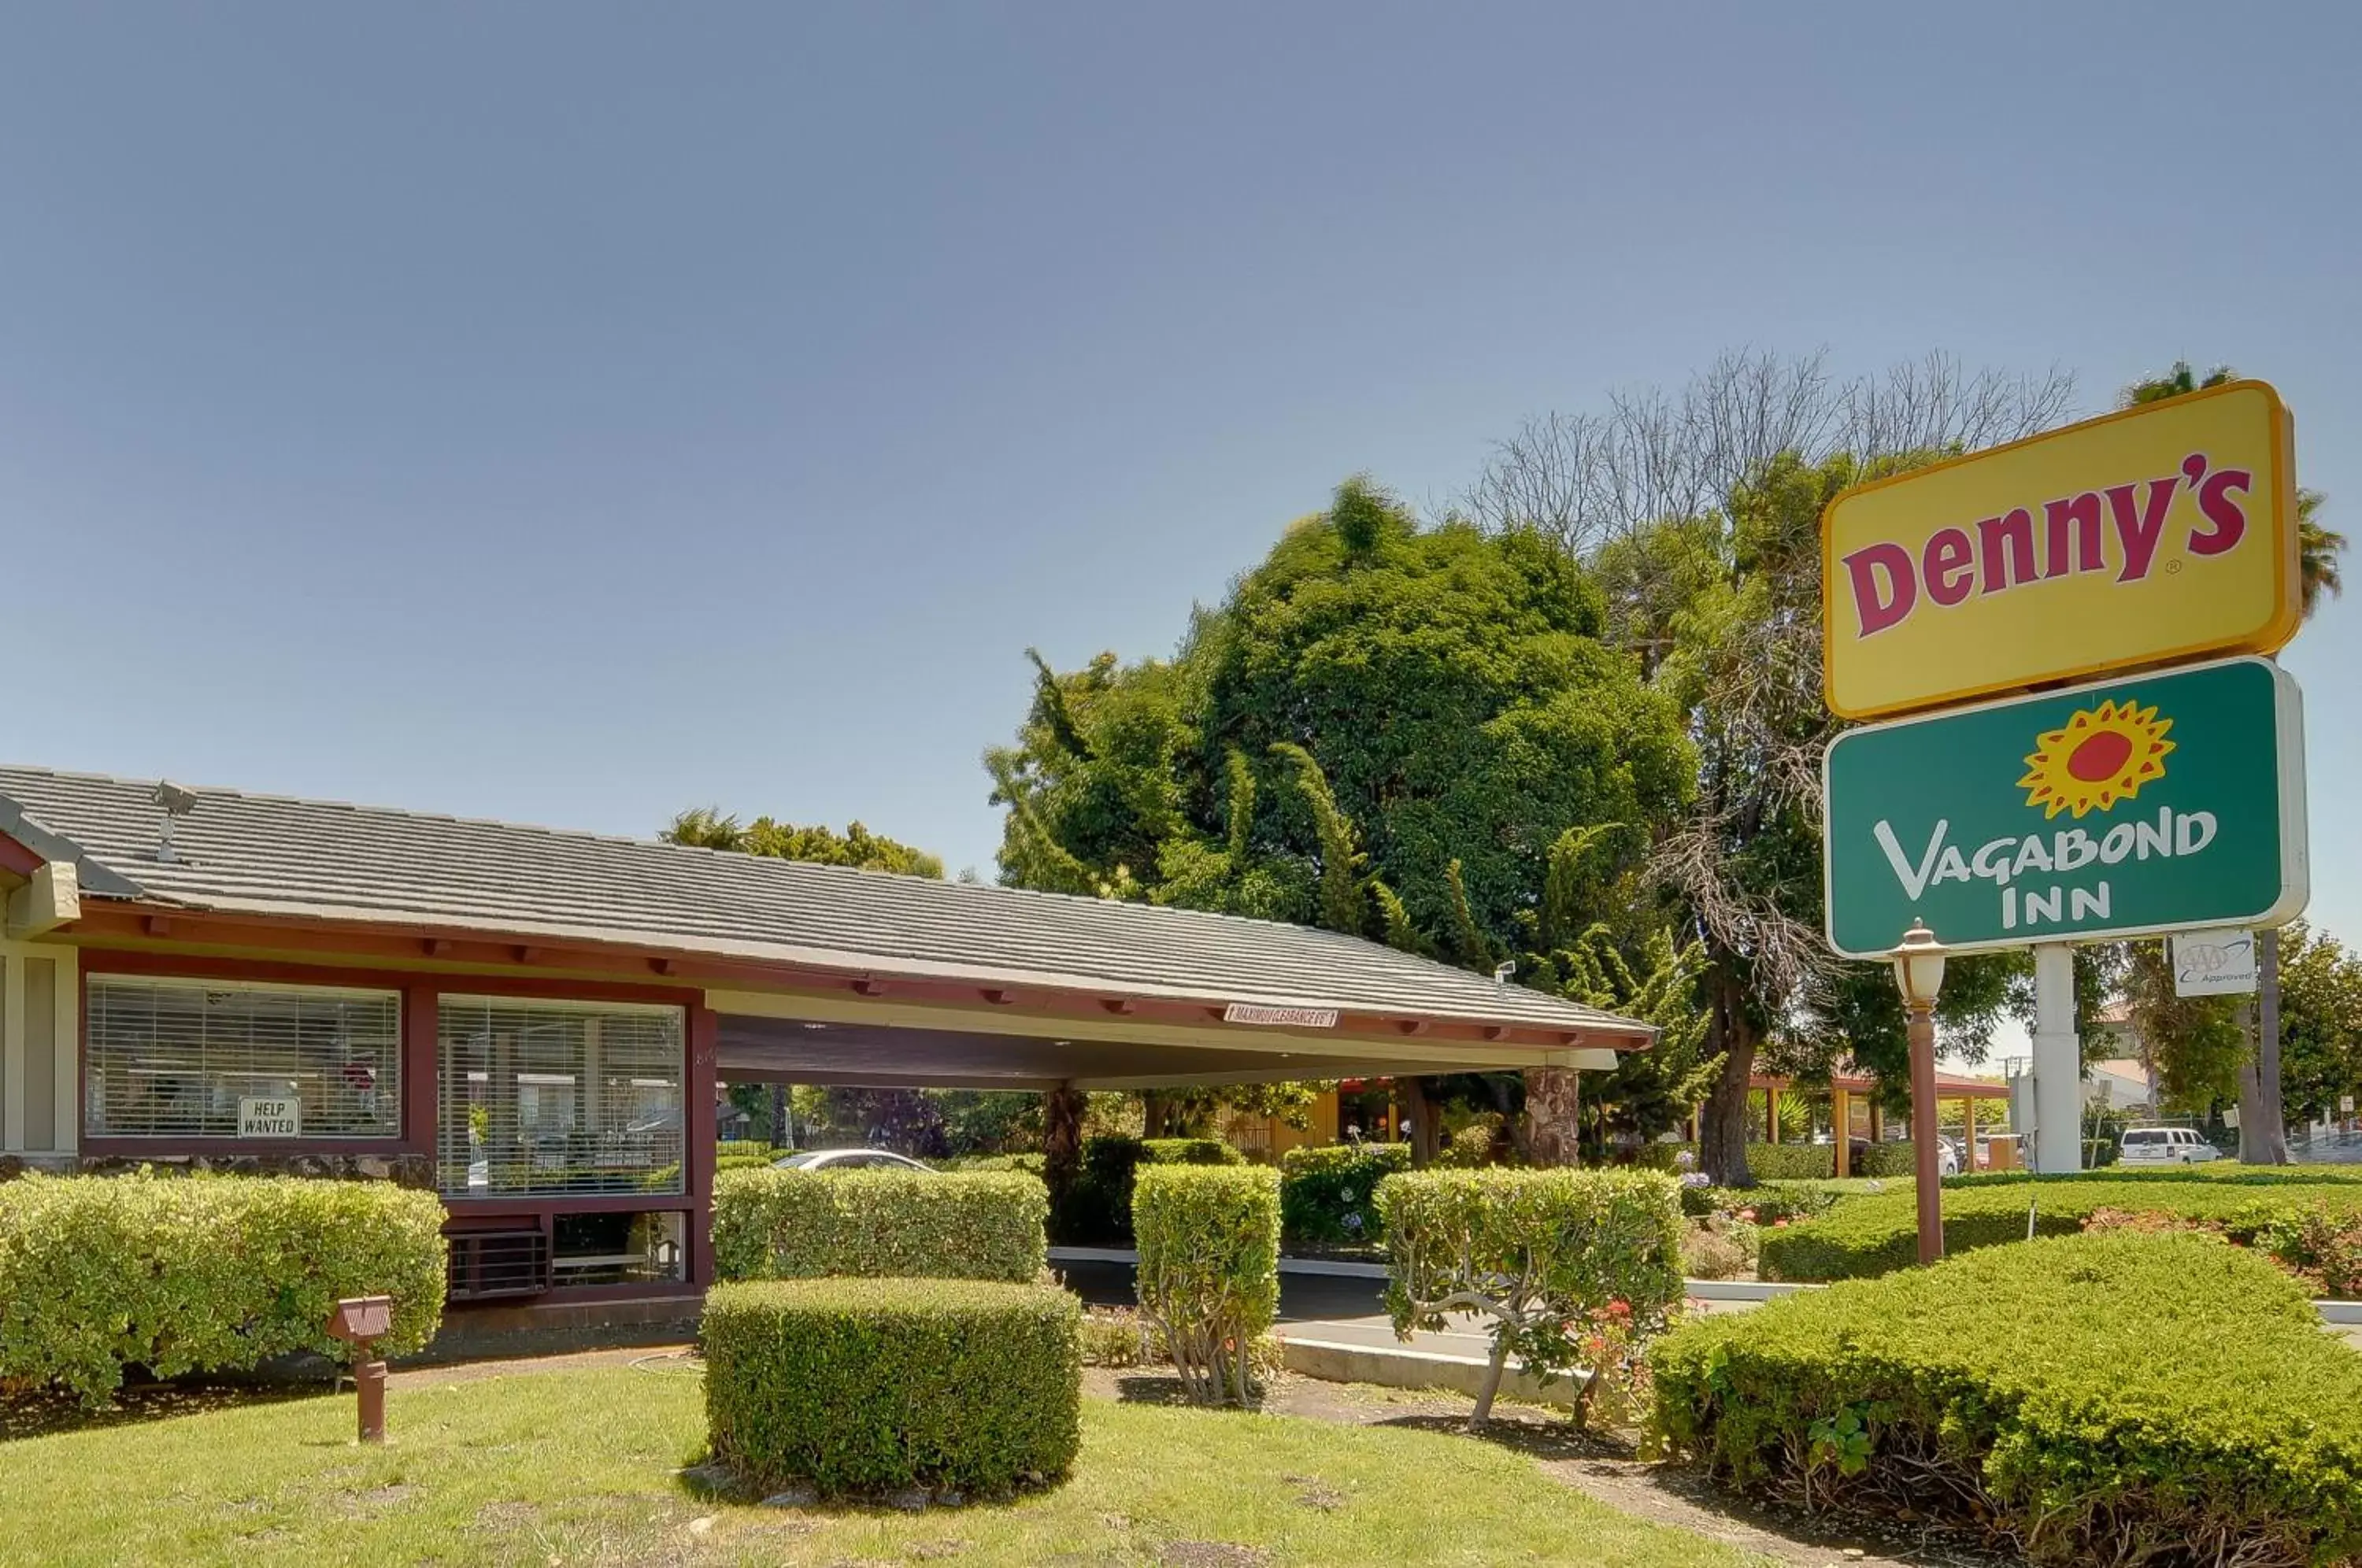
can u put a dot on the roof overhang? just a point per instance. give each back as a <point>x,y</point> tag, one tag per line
<point>890,1022</point>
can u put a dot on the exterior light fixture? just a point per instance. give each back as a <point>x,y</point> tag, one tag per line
<point>1919,975</point>
<point>1919,967</point>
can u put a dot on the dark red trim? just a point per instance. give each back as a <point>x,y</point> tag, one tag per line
<point>14,856</point>
<point>167,965</point>
<point>421,1085</point>
<point>697,1127</point>
<point>517,1205</point>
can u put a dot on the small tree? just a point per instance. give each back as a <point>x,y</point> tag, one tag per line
<point>1571,1267</point>
<point>1208,1280</point>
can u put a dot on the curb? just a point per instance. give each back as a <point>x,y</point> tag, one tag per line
<point>1741,1289</point>
<point>1333,1362</point>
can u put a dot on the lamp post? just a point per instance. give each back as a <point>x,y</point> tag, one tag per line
<point>1919,973</point>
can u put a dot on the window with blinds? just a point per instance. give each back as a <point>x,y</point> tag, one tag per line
<point>542,1098</point>
<point>209,1059</point>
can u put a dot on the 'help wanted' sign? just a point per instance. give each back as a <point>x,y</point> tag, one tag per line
<point>278,1117</point>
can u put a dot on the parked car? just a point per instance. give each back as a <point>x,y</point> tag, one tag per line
<point>2165,1146</point>
<point>850,1159</point>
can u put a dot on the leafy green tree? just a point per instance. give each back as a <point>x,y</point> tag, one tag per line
<point>1384,729</point>
<point>2320,1022</point>
<point>1698,512</point>
<point>2194,1046</point>
<point>706,828</point>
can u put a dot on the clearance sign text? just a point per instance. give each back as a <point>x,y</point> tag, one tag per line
<point>2164,533</point>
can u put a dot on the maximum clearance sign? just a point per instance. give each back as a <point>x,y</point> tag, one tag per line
<point>2165,532</point>
<point>2173,800</point>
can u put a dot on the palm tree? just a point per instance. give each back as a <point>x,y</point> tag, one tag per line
<point>2317,546</point>
<point>2262,1136</point>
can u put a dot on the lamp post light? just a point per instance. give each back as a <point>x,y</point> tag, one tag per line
<point>1919,975</point>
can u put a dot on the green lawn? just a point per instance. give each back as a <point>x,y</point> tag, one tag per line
<point>547,1468</point>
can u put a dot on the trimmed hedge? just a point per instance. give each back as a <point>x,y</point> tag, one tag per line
<point>793,1224</point>
<point>1020,1162</point>
<point>1575,1267</point>
<point>1592,1237</point>
<point>1816,1162</point>
<point>1327,1193</point>
<point>1188,1152</point>
<point>2104,1398</point>
<point>1097,1211</point>
<point>1888,1160</point>
<point>1867,1236</point>
<point>214,1273</point>
<point>1209,1273</point>
<point>1783,1162</point>
<point>869,1386</point>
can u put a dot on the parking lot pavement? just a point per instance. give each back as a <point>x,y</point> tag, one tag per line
<point>1302,1296</point>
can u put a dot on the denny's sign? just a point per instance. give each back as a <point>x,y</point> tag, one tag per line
<point>2167,532</point>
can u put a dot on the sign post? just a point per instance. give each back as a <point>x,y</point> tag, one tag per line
<point>2137,805</point>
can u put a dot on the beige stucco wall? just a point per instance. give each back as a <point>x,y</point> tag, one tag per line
<point>40,1023</point>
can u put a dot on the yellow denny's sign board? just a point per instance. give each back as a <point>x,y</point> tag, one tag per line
<point>2165,532</point>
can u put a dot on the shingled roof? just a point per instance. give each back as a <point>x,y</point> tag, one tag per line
<point>267,854</point>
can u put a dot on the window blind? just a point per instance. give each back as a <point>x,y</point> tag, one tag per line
<point>543,1098</point>
<point>169,1058</point>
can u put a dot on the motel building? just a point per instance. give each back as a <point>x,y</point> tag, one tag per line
<point>529,1023</point>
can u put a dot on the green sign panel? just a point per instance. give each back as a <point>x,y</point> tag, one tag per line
<point>2125,808</point>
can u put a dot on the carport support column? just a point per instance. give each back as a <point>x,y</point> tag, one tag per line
<point>1062,1143</point>
<point>1553,1099</point>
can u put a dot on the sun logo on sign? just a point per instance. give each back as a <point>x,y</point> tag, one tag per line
<point>2105,754</point>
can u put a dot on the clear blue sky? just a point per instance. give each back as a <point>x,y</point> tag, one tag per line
<point>576,412</point>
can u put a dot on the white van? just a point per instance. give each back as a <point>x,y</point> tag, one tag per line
<point>2166,1146</point>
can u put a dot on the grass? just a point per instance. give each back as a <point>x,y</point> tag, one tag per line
<point>550,1468</point>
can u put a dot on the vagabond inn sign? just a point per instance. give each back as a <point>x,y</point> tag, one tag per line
<point>2165,533</point>
<point>2170,801</point>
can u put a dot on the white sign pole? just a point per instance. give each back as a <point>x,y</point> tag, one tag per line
<point>2057,1063</point>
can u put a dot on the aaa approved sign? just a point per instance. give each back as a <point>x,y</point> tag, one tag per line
<point>2159,802</point>
<point>2165,532</point>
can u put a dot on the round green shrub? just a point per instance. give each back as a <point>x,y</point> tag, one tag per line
<point>1208,1273</point>
<point>2098,1398</point>
<point>797,1224</point>
<point>861,1387</point>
